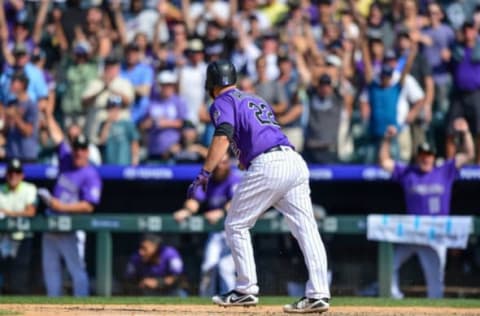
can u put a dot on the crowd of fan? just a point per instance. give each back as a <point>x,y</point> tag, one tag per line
<point>130,74</point>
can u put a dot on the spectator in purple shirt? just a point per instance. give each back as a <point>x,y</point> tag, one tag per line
<point>77,191</point>
<point>465,62</point>
<point>155,269</point>
<point>164,119</point>
<point>428,190</point>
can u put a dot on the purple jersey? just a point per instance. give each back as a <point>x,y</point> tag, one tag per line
<point>75,184</point>
<point>218,193</point>
<point>427,193</point>
<point>160,139</point>
<point>167,263</point>
<point>253,121</point>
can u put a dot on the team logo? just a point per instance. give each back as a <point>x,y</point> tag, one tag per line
<point>216,115</point>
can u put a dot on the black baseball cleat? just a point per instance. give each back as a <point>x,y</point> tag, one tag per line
<point>234,298</point>
<point>307,305</point>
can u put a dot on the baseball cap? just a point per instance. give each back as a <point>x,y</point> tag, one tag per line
<point>403,32</point>
<point>187,124</point>
<point>154,239</point>
<point>20,49</point>
<point>425,147</point>
<point>114,101</point>
<point>333,60</point>
<point>215,49</point>
<point>195,45</point>
<point>214,23</point>
<point>14,165</point>
<point>387,70</point>
<point>132,47</point>
<point>325,79</point>
<point>270,35</point>
<point>21,20</point>
<point>375,35</point>
<point>80,142</point>
<point>81,48</point>
<point>390,55</point>
<point>112,60</point>
<point>167,77</point>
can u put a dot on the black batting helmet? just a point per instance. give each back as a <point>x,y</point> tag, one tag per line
<point>220,73</point>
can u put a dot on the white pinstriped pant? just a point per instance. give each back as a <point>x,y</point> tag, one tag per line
<point>279,179</point>
<point>432,260</point>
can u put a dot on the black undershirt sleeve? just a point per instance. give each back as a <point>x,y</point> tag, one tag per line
<point>224,129</point>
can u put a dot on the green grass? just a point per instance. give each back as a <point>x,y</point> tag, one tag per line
<point>8,313</point>
<point>271,300</point>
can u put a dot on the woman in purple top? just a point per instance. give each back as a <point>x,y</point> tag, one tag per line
<point>155,269</point>
<point>427,190</point>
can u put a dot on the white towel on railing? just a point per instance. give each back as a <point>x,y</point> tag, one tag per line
<point>448,231</point>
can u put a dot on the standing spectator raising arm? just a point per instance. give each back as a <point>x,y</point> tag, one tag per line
<point>427,189</point>
<point>77,190</point>
<point>4,36</point>
<point>40,21</point>
<point>89,182</point>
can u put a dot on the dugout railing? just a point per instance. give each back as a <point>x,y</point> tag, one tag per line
<point>103,225</point>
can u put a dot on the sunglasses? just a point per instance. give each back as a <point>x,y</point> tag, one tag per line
<point>14,172</point>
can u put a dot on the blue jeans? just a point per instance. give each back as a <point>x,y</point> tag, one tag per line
<point>56,246</point>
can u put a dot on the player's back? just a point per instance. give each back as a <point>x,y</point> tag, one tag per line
<point>255,127</point>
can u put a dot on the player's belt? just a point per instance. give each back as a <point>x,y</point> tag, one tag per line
<point>276,148</point>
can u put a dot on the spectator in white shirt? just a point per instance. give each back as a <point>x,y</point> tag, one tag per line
<point>17,199</point>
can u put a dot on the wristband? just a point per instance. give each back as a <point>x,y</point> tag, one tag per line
<point>205,173</point>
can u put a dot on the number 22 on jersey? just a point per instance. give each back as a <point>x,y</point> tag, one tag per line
<point>263,113</point>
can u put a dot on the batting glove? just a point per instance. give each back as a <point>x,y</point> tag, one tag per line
<point>200,181</point>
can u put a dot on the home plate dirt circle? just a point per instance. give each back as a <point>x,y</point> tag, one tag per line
<point>207,310</point>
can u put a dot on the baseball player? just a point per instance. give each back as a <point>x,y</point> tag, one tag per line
<point>155,269</point>
<point>275,175</point>
<point>77,190</point>
<point>427,190</point>
<point>217,266</point>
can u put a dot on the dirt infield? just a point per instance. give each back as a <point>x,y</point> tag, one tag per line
<point>207,310</point>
